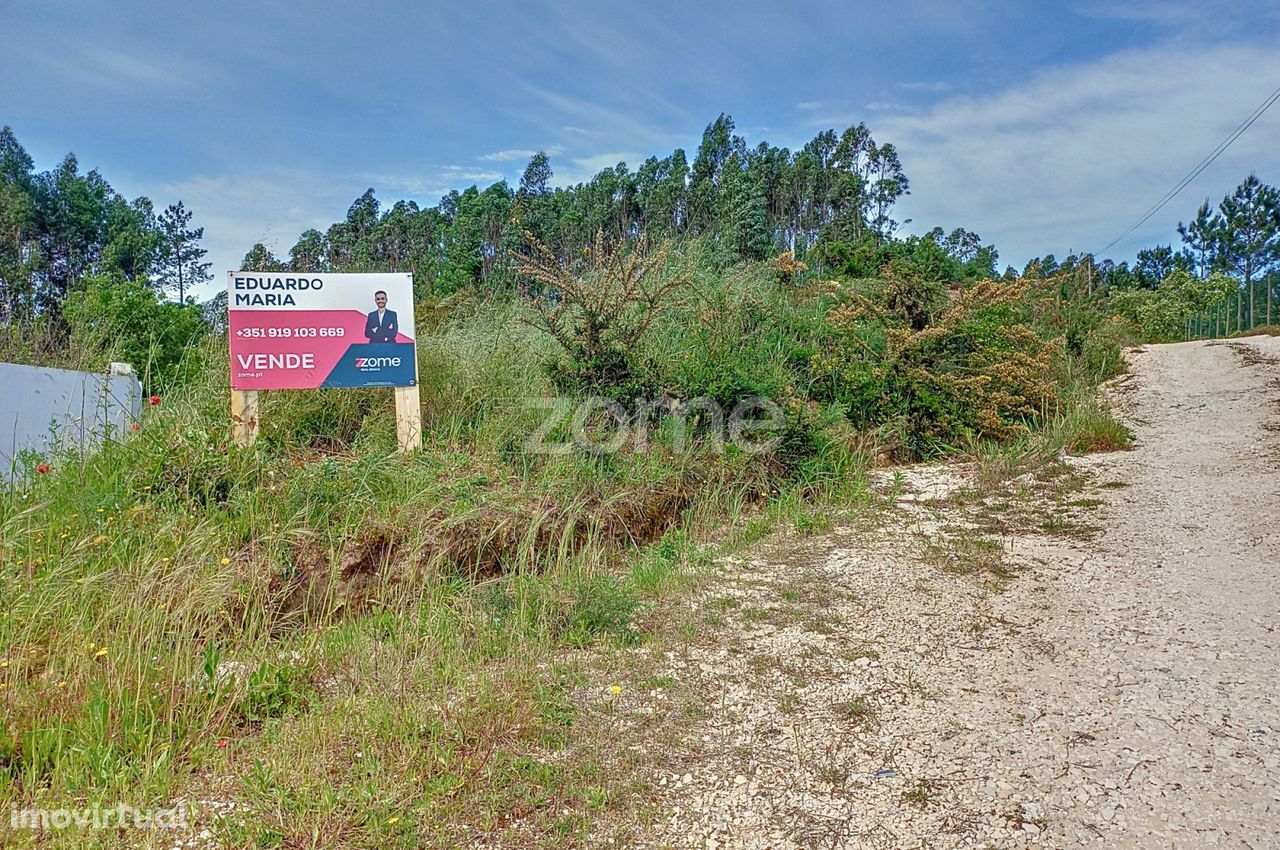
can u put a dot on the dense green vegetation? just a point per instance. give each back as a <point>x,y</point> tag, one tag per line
<point>376,650</point>
<point>84,272</point>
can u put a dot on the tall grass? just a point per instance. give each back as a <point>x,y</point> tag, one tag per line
<point>375,650</point>
<point>318,613</point>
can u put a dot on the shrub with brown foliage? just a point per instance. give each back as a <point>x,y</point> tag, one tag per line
<point>979,369</point>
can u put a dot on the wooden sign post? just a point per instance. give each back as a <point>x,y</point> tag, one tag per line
<point>244,417</point>
<point>304,330</point>
<point>408,419</point>
<point>409,404</point>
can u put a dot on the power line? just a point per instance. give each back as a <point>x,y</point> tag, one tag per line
<point>1203,164</point>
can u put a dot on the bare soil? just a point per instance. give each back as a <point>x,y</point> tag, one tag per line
<point>1079,656</point>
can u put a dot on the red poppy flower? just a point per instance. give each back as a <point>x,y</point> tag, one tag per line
<point>155,401</point>
<point>42,468</point>
<point>135,427</point>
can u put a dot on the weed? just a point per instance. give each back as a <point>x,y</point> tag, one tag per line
<point>274,690</point>
<point>860,652</point>
<point>602,608</point>
<point>856,709</point>
<point>833,774</point>
<point>819,626</point>
<point>1088,429</point>
<point>919,795</point>
<point>693,710</point>
<point>810,523</point>
<point>554,705</point>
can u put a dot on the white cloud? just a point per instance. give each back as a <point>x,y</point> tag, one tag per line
<point>1070,158</point>
<point>518,155</point>
<point>583,168</point>
<point>93,65</point>
<point>392,187</point>
<point>429,184</point>
<point>921,86</point>
<point>618,123</point>
<point>465,172</point>
<point>507,156</point>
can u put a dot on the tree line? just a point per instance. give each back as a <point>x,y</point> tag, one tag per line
<point>1222,279</point>
<point>748,203</point>
<point>830,205</point>
<point>61,226</point>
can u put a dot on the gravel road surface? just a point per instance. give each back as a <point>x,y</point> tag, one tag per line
<point>1108,688</point>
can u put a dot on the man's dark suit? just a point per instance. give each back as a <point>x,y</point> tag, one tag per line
<point>382,332</point>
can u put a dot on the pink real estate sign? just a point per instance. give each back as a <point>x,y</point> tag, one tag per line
<point>307,331</point>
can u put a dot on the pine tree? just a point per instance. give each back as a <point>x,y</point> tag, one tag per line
<point>1249,240</point>
<point>1200,237</point>
<point>181,255</point>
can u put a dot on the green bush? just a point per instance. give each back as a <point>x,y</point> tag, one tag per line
<point>601,314</point>
<point>745,337</point>
<point>1103,353</point>
<point>1160,315</point>
<point>114,318</point>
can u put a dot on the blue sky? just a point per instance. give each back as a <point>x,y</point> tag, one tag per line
<point>1044,127</point>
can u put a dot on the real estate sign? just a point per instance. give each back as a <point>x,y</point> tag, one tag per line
<point>293,331</point>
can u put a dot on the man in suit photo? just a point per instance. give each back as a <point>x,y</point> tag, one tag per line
<point>382,324</point>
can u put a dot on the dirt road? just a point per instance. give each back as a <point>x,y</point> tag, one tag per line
<point>936,683</point>
<point>1159,695</point>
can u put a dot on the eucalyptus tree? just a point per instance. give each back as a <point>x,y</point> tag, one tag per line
<point>534,204</point>
<point>662,194</point>
<point>71,210</point>
<point>308,253</point>
<point>134,240</point>
<point>719,145</point>
<point>260,259</point>
<point>61,226</point>
<point>20,258</point>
